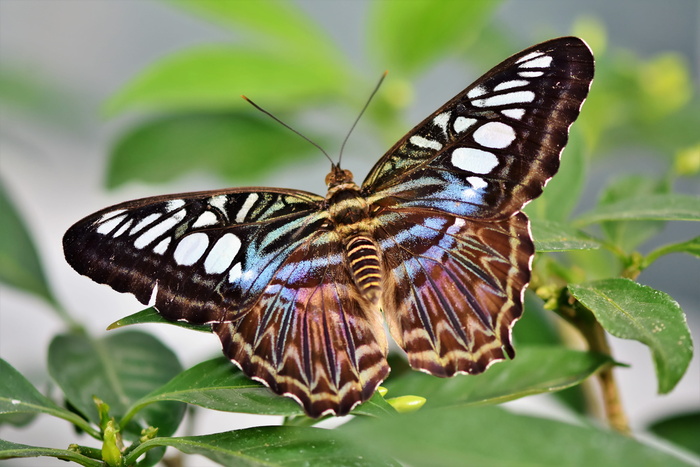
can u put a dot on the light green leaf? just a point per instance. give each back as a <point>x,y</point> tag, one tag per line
<point>150,315</point>
<point>630,310</point>
<point>555,236</point>
<point>214,77</point>
<point>10,450</point>
<point>534,370</point>
<point>236,147</point>
<point>408,36</point>
<point>119,369</point>
<point>492,437</point>
<point>19,396</point>
<point>670,207</point>
<point>692,247</point>
<point>273,446</point>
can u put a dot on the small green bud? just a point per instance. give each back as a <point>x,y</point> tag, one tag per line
<point>407,404</point>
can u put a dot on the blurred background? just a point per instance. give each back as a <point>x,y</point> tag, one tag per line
<point>79,120</point>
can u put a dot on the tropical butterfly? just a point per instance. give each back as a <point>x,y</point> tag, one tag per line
<point>295,284</point>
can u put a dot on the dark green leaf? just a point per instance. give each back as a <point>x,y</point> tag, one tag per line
<point>629,235</point>
<point>273,446</point>
<point>235,147</point>
<point>9,450</point>
<point>119,369</point>
<point>19,262</point>
<point>683,430</point>
<point>555,236</point>
<point>19,396</point>
<point>214,77</point>
<point>535,328</point>
<point>489,436</point>
<point>407,36</point>
<point>216,384</point>
<point>533,371</point>
<point>150,315</point>
<point>630,310</point>
<point>671,207</point>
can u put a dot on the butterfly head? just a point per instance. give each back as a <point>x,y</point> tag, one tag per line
<point>338,177</point>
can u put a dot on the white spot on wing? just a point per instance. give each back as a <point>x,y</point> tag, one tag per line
<point>477,183</point>
<point>206,219</point>
<point>235,273</point>
<point>109,215</point>
<point>462,123</point>
<point>425,143</point>
<point>123,228</point>
<point>108,226</point>
<point>174,204</point>
<point>531,74</point>
<point>476,92</point>
<point>145,221</point>
<point>529,56</point>
<point>249,202</point>
<point>513,113</point>
<point>474,160</point>
<point>506,99</point>
<point>159,229</point>
<point>222,254</point>
<point>219,202</point>
<point>442,120</point>
<point>541,62</point>
<point>191,248</point>
<point>162,246</point>
<point>494,135</point>
<point>516,83</point>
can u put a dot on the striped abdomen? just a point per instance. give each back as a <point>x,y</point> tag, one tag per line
<point>363,259</point>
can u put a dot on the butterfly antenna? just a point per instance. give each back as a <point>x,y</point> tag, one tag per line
<point>376,88</point>
<point>288,127</point>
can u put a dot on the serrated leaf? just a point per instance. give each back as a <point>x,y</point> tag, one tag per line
<point>216,384</point>
<point>492,437</point>
<point>670,207</point>
<point>119,369</point>
<point>273,446</point>
<point>407,36</point>
<point>214,77</point>
<point>535,370</point>
<point>20,266</point>
<point>19,396</point>
<point>555,236</point>
<point>630,310</point>
<point>10,450</point>
<point>681,429</point>
<point>150,315</point>
<point>232,146</point>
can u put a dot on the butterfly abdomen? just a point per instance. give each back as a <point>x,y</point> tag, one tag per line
<point>363,260</point>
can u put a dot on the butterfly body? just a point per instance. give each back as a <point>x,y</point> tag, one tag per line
<point>297,286</point>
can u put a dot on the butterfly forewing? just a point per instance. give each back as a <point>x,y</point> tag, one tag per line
<point>294,284</point>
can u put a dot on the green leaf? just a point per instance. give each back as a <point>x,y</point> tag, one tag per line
<point>408,36</point>
<point>692,247</point>
<point>555,236</point>
<point>683,430</point>
<point>272,446</point>
<point>535,328</point>
<point>216,384</point>
<point>9,450</point>
<point>119,369</point>
<point>670,207</point>
<point>629,235</point>
<point>534,370</point>
<point>630,310</point>
<point>235,147</point>
<point>562,192</point>
<point>19,396</point>
<point>274,24</point>
<point>150,315</point>
<point>213,77</point>
<point>489,436</point>
<point>19,262</point>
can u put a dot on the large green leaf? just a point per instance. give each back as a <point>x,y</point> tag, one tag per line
<point>670,207</point>
<point>407,36</point>
<point>630,310</point>
<point>233,146</point>
<point>682,429</point>
<point>9,450</point>
<point>489,436</point>
<point>555,236</point>
<point>19,396</point>
<point>19,262</point>
<point>213,77</point>
<point>534,370</point>
<point>216,384</point>
<point>119,369</point>
<point>273,446</point>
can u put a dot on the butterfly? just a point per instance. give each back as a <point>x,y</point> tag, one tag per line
<point>297,286</point>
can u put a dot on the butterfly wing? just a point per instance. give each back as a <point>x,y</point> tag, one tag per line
<point>456,248</point>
